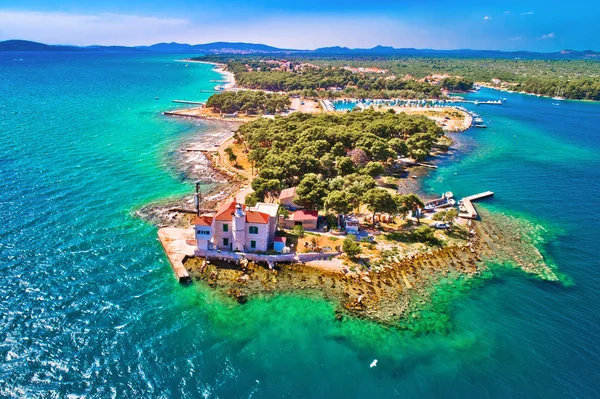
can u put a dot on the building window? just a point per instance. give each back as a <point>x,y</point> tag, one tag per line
<point>253,230</point>
<point>252,244</point>
<point>204,232</point>
<point>225,242</point>
<point>225,227</point>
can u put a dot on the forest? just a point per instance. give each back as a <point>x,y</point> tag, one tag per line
<point>316,82</point>
<point>248,102</point>
<point>573,79</point>
<point>333,159</point>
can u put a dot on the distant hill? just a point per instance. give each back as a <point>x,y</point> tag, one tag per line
<point>217,47</point>
<point>252,48</point>
<point>465,53</point>
<point>24,45</point>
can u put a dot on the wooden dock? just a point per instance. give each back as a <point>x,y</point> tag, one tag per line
<point>470,212</point>
<point>178,245</point>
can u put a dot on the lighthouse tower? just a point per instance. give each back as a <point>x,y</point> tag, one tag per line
<point>238,230</point>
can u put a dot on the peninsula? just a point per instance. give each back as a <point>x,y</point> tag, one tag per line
<point>326,200</point>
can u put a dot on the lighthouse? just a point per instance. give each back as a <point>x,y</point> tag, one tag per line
<point>238,229</point>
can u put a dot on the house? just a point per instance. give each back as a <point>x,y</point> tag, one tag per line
<point>234,227</point>
<point>287,197</point>
<point>203,227</point>
<point>304,218</point>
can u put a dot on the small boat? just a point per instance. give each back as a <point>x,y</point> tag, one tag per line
<point>481,125</point>
<point>156,98</point>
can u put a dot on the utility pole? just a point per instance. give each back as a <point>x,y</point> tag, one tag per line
<point>198,197</point>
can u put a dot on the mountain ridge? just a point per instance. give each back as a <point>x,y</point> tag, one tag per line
<point>257,48</point>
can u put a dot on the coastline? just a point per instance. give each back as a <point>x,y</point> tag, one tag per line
<point>219,67</point>
<point>393,293</point>
<point>488,86</point>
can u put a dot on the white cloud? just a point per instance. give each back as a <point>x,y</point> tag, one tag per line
<point>550,35</point>
<point>527,13</point>
<point>516,38</point>
<point>486,18</point>
<point>307,31</point>
<point>507,12</point>
<point>77,29</point>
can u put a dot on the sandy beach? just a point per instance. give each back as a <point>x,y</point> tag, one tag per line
<point>228,77</point>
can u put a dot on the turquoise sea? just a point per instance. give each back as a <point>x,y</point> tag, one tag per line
<point>89,306</point>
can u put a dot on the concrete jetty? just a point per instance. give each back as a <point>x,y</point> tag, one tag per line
<point>188,102</point>
<point>178,245</point>
<point>468,210</point>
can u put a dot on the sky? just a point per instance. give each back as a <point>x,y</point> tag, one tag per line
<point>539,25</point>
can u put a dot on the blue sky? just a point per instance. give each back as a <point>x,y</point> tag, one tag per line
<point>509,25</point>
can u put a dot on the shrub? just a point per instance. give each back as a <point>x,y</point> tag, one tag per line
<point>424,233</point>
<point>251,199</point>
<point>439,215</point>
<point>298,230</point>
<point>351,247</point>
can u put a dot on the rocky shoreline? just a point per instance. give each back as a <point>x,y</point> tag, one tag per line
<point>193,161</point>
<point>394,293</point>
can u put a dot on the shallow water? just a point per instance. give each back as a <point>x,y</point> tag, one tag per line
<point>90,307</point>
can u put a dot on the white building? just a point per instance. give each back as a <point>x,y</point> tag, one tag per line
<point>234,227</point>
<point>352,225</point>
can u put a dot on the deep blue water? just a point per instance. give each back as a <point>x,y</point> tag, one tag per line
<point>89,307</point>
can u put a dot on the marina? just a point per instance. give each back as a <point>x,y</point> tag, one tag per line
<point>350,104</point>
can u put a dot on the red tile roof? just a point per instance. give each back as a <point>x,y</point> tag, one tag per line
<point>203,220</point>
<point>257,217</point>
<point>304,215</point>
<point>226,210</point>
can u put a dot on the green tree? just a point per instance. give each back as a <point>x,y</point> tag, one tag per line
<point>407,203</point>
<point>231,155</point>
<point>262,187</point>
<point>251,199</point>
<point>351,247</point>
<point>339,202</point>
<point>450,215</point>
<point>373,169</point>
<point>344,166</point>
<point>379,200</point>
<point>311,191</point>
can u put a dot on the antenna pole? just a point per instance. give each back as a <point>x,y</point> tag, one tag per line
<point>198,198</point>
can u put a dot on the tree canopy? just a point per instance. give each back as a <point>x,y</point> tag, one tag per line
<point>248,102</point>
